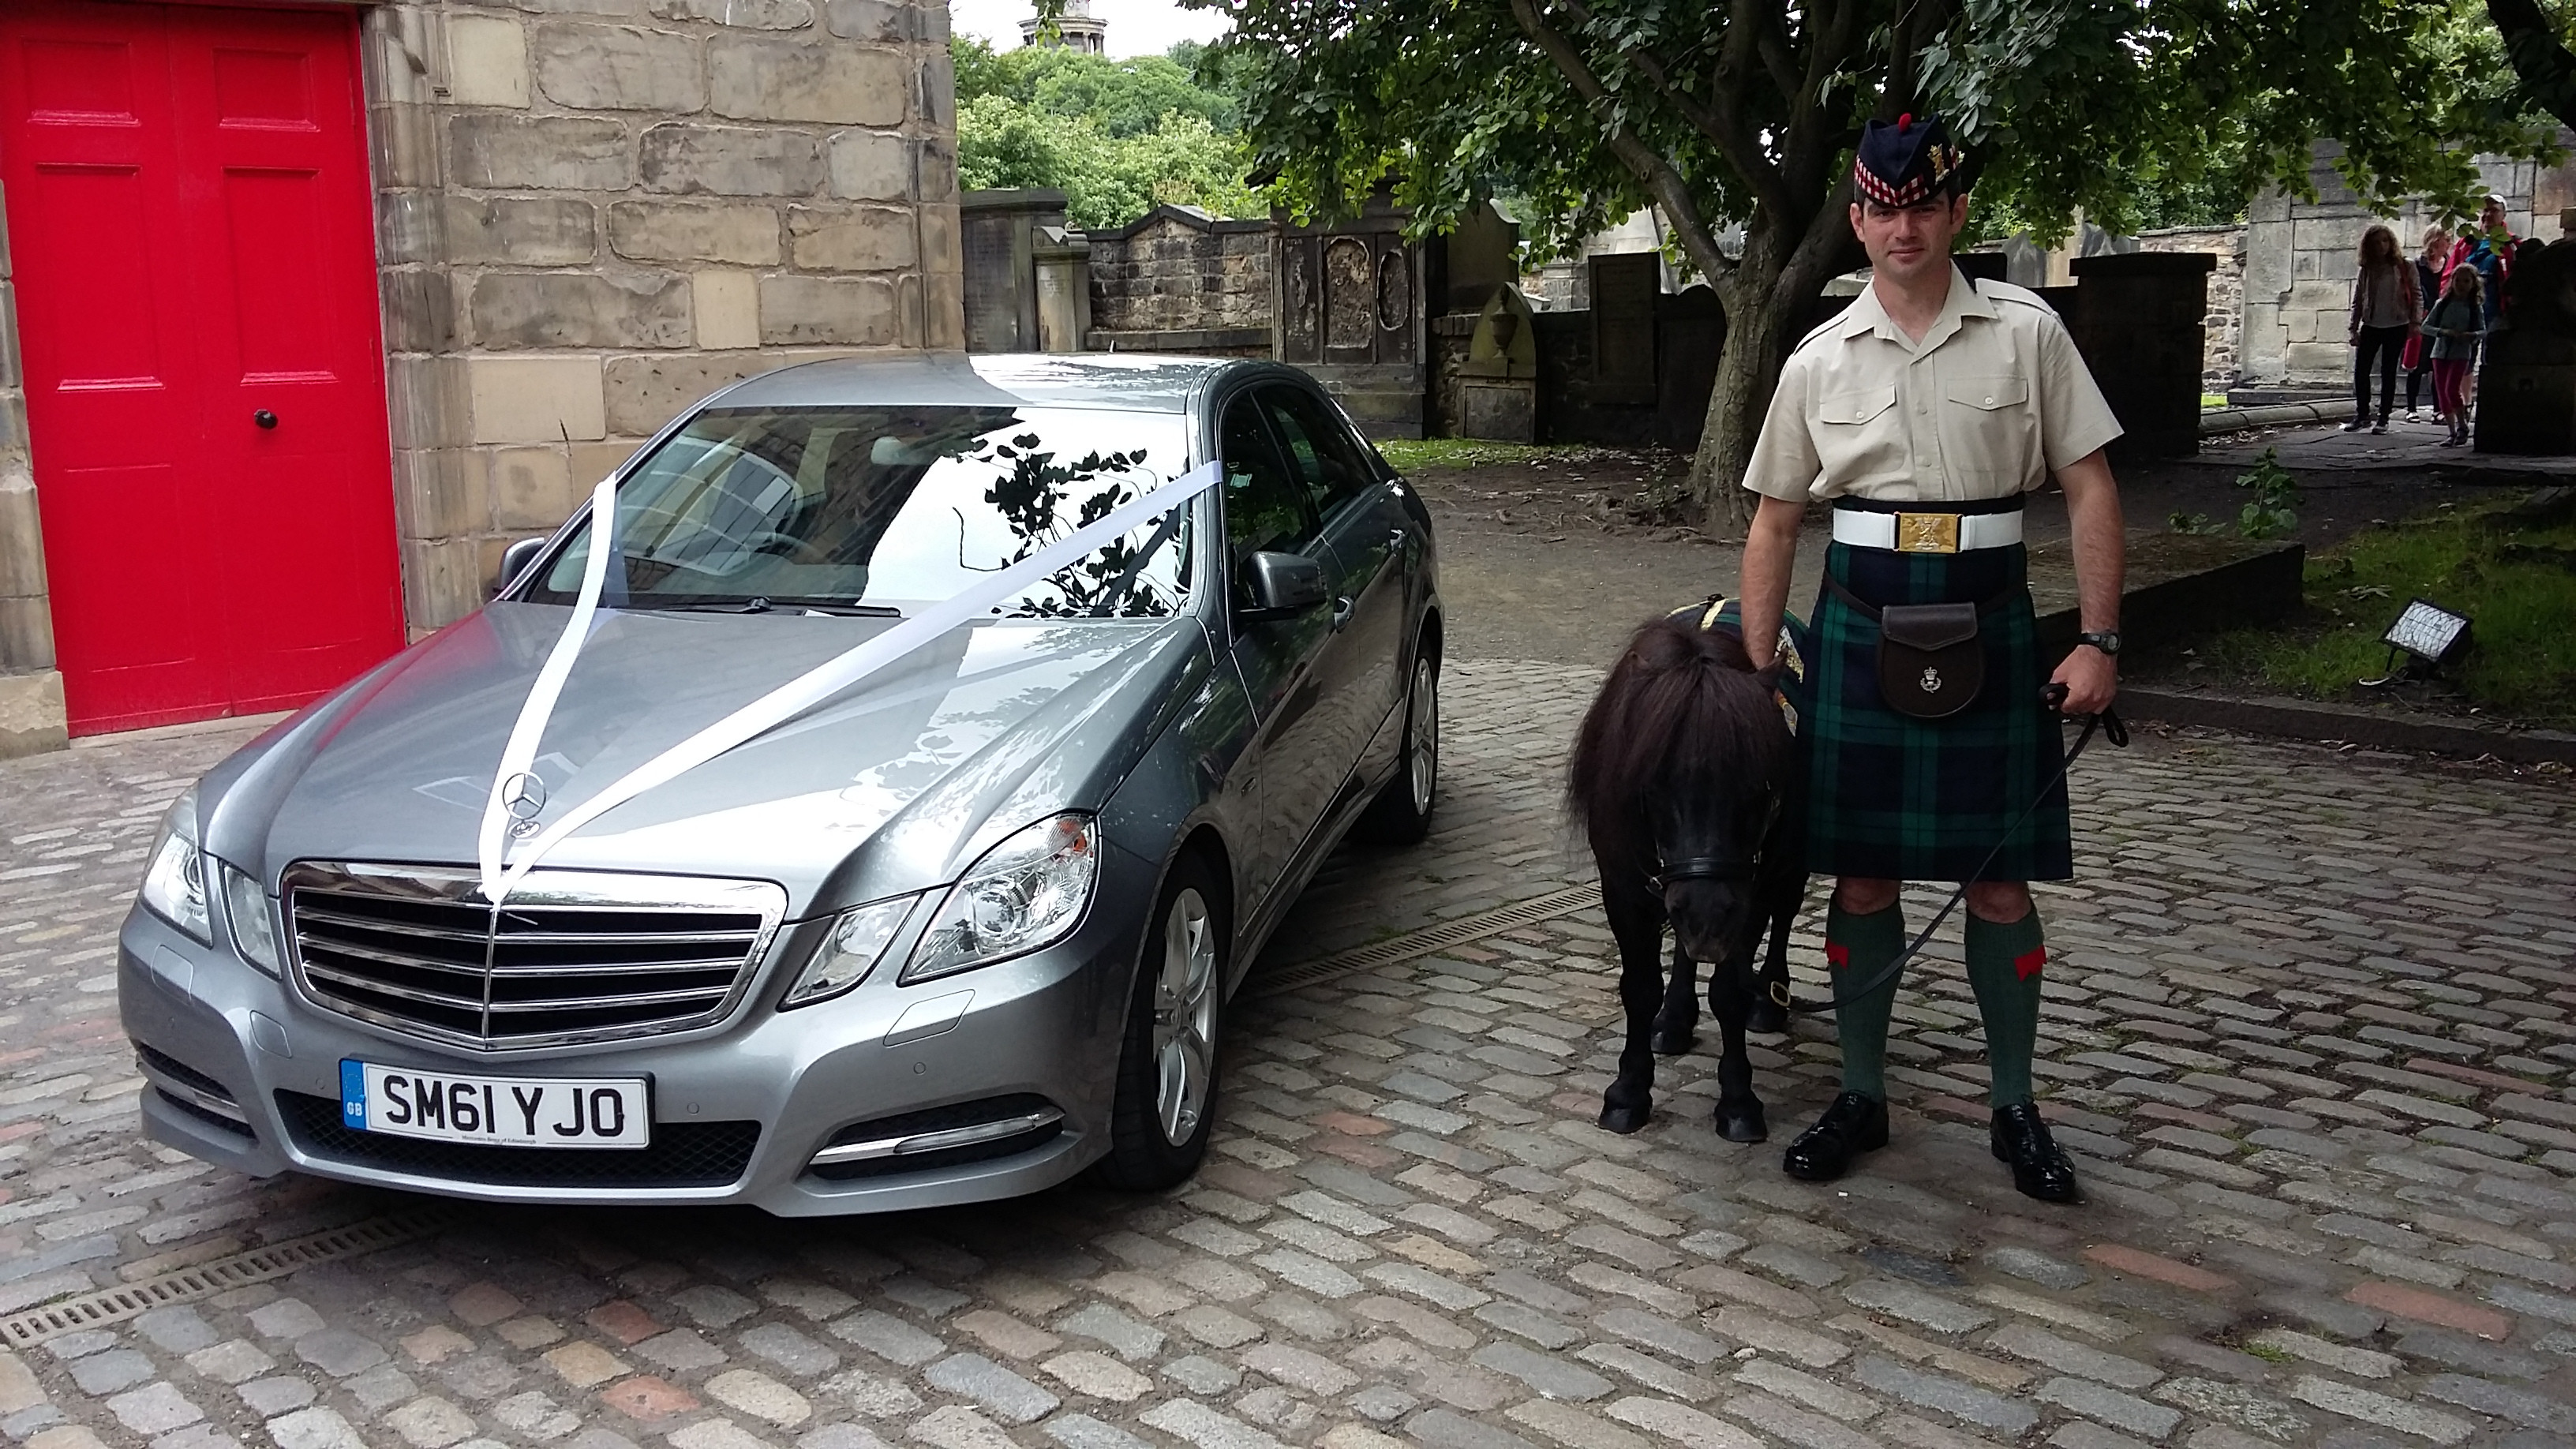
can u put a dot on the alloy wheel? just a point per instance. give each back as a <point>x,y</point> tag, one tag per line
<point>1185,1017</point>
<point>1426,734</point>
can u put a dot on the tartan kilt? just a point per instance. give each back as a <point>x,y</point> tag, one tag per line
<point>1897,798</point>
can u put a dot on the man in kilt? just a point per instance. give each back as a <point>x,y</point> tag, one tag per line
<point>1925,412</point>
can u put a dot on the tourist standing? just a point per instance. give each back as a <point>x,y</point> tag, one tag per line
<point>2430,264</point>
<point>2385,310</point>
<point>1924,413</point>
<point>2488,246</point>
<point>2455,327</point>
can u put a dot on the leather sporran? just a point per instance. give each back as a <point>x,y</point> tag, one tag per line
<point>1930,661</point>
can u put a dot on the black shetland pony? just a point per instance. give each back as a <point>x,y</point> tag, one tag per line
<point>1689,786</point>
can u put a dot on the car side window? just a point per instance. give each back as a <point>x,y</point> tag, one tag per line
<point>1319,447</point>
<point>1264,508</point>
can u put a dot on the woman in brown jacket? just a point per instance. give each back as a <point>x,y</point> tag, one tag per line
<point>2385,311</point>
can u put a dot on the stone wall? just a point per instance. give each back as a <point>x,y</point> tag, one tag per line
<point>2224,326</point>
<point>1178,279</point>
<point>593,212</point>
<point>2301,257</point>
<point>31,692</point>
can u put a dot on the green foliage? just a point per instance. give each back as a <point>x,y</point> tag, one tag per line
<point>2181,522</point>
<point>2272,511</point>
<point>2515,587</point>
<point>2171,111</point>
<point>2142,112</point>
<point>1118,137</point>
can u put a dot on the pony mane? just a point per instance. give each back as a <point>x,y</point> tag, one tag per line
<point>1683,709</point>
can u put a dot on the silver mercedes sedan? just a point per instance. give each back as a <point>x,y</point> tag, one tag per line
<point>959,926</point>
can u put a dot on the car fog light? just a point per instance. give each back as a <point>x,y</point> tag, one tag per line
<point>858,937</point>
<point>174,884</point>
<point>254,928</point>
<point>1027,892</point>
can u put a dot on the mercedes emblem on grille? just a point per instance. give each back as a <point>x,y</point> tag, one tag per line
<point>524,796</point>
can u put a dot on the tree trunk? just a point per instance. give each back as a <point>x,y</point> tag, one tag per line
<point>1748,365</point>
<point>1765,296</point>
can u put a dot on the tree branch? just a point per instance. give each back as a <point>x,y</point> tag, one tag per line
<point>1670,191</point>
<point>2544,65</point>
<point>1734,141</point>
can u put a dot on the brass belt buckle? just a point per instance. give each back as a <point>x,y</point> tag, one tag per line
<point>1927,533</point>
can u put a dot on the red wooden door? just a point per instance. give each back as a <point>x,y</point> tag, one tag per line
<point>191,233</point>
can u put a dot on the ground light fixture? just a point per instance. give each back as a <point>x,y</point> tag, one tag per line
<point>2427,634</point>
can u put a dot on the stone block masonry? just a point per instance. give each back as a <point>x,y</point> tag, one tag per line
<point>592,213</point>
<point>31,691</point>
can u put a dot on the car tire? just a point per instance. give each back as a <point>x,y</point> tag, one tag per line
<point>1167,1065</point>
<point>1401,813</point>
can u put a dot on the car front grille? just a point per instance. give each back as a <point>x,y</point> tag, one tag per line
<point>683,1154</point>
<point>573,956</point>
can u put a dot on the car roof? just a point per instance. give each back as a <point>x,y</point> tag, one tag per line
<point>1127,382</point>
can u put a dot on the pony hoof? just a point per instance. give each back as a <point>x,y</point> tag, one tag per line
<point>1767,1017</point>
<point>1624,1120</point>
<point>1673,1041</point>
<point>1743,1123</point>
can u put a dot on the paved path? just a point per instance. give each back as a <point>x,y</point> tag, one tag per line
<point>2327,448</point>
<point>2311,1027</point>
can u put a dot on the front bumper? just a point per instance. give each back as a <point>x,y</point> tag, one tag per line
<point>762,1088</point>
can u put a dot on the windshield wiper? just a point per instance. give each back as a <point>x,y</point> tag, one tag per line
<point>763,603</point>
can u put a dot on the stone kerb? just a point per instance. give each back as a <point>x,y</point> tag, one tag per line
<point>593,212</point>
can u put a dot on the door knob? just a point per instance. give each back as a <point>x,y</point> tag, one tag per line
<point>264,418</point>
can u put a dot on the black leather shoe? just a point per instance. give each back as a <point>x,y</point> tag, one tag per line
<point>2039,1165</point>
<point>1853,1124</point>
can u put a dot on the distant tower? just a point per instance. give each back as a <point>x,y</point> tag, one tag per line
<point>1076,27</point>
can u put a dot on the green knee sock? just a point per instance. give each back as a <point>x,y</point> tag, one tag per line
<point>1858,948</point>
<point>2004,960</point>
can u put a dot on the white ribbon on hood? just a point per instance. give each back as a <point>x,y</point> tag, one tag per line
<point>502,875</point>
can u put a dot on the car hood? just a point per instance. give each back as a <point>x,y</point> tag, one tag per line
<point>895,784</point>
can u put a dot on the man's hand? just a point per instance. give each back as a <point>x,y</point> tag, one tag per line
<point>2091,678</point>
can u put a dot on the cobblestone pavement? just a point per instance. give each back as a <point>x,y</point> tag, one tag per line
<point>2311,1025</point>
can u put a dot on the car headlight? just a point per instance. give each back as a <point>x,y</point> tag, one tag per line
<point>1025,893</point>
<point>857,938</point>
<point>246,907</point>
<point>174,884</point>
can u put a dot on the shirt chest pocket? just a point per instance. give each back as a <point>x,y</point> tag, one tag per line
<point>1859,434</point>
<point>1990,440</point>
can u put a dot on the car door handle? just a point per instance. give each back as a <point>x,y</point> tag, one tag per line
<point>1342,608</point>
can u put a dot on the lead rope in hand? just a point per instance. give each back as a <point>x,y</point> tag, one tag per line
<point>2052,698</point>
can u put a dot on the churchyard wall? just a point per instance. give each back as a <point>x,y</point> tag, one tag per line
<point>1179,280</point>
<point>2301,257</point>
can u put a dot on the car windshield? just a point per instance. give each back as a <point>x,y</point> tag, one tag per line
<point>885,509</point>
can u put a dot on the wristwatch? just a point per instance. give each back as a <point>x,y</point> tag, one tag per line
<point>2108,641</point>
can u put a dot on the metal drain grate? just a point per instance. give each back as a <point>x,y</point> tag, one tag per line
<point>1425,941</point>
<point>115,1305</point>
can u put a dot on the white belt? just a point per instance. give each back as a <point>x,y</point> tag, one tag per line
<point>1926,532</point>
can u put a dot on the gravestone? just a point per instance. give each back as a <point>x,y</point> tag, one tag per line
<point>1498,382</point>
<point>1625,289</point>
<point>2526,401</point>
<point>1350,301</point>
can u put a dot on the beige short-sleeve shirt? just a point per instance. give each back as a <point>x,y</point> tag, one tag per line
<point>1989,403</point>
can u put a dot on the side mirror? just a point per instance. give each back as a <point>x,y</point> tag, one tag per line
<point>515,561</point>
<point>1279,586</point>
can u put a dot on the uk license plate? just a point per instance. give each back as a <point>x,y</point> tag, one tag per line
<point>496,1111</point>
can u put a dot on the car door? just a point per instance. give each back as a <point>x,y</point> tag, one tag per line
<point>1283,782</point>
<point>1369,532</point>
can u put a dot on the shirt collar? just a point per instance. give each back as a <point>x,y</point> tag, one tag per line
<point>1866,315</point>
